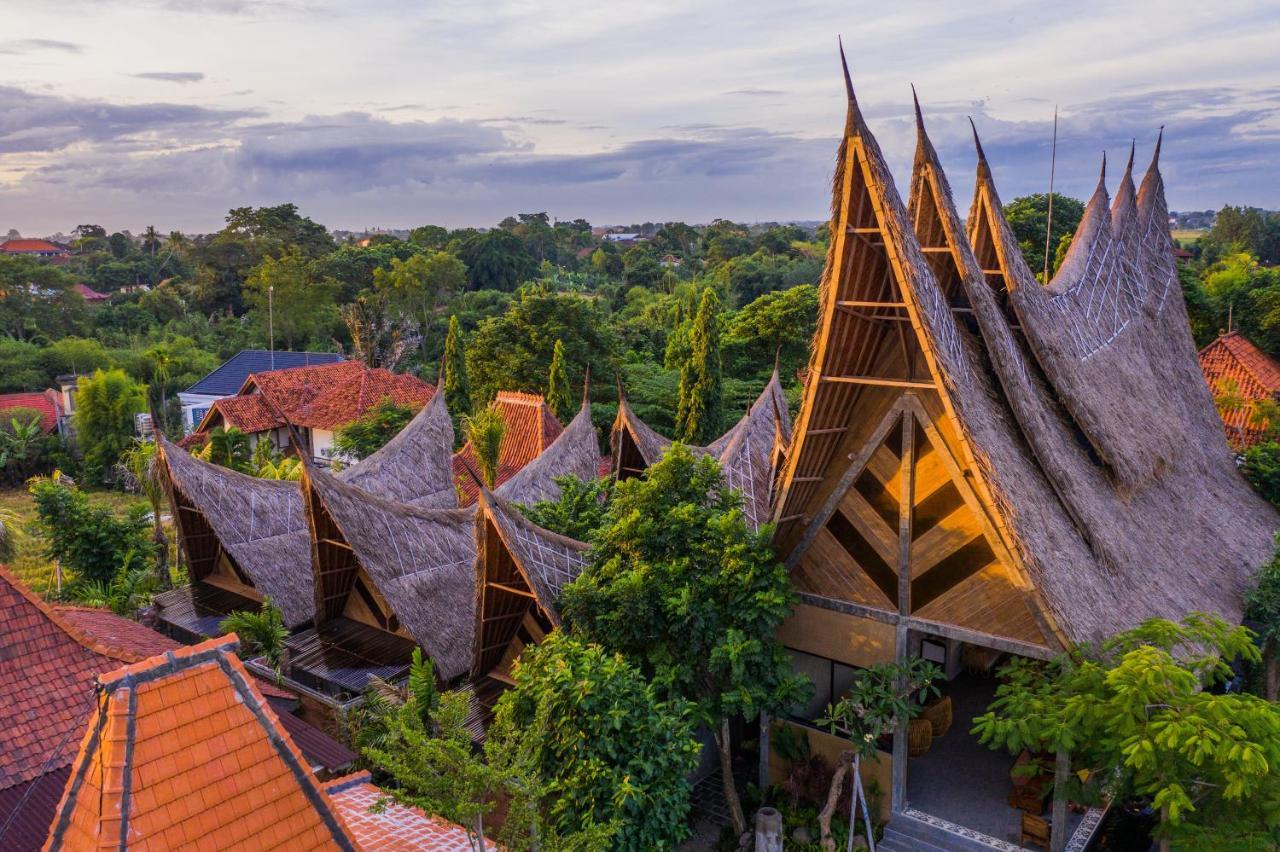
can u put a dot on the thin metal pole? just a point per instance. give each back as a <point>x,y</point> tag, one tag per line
<point>1053,164</point>
<point>271,323</point>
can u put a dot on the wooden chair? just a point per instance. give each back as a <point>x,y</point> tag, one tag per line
<point>919,737</point>
<point>1035,830</point>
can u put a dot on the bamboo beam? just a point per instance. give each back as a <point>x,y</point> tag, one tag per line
<point>878,382</point>
<point>853,303</point>
<point>335,543</point>
<point>513,590</point>
<point>906,498</point>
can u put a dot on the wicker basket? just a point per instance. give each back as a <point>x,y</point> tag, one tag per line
<point>938,715</point>
<point>919,737</point>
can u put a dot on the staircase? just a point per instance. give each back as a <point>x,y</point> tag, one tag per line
<point>912,831</point>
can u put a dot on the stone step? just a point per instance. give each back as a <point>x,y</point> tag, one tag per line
<point>894,841</point>
<point>908,831</point>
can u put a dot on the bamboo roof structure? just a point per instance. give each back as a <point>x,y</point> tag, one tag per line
<point>977,450</point>
<point>575,452</point>
<point>419,561</point>
<point>257,522</point>
<point>416,466</point>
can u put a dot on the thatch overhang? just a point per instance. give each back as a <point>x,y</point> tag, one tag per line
<point>635,445</point>
<point>521,570</point>
<point>748,457</point>
<point>933,482</point>
<point>418,562</point>
<point>574,452</point>
<point>416,466</point>
<point>256,523</point>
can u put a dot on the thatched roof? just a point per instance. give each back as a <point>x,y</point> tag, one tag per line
<point>748,455</point>
<point>259,523</point>
<point>1093,441</point>
<point>416,466</point>
<point>548,561</point>
<point>574,452</point>
<point>649,443</point>
<point>421,560</point>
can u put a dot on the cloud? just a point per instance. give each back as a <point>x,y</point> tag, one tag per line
<point>756,92</point>
<point>171,76</point>
<point>17,47</point>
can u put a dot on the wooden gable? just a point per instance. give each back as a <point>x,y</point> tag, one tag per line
<point>509,615</point>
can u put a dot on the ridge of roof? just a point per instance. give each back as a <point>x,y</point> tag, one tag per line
<point>1264,369</point>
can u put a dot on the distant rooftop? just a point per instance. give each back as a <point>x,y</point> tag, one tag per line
<point>227,379</point>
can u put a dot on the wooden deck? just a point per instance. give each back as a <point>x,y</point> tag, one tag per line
<point>338,658</point>
<point>192,613</point>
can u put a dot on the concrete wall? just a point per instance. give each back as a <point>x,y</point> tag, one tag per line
<point>850,639</point>
<point>831,747</point>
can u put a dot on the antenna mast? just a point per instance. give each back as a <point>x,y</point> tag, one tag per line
<point>1053,164</point>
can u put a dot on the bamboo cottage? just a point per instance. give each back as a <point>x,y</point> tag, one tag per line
<point>983,465</point>
<point>245,537</point>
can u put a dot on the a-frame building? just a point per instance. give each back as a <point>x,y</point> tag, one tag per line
<point>982,462</point>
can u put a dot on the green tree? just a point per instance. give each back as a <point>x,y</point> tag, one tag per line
<point>24,447</point>
<point>1028,216</point>
<point>380,336</point>
<point>496,260</point>
<point>418,285</point>
<point>142,464</point>
<point>778,324</point>
<point>380,424</point>
<point>287,297</point>
<point>36,299</point>
<point>429,236</point>
<point>106,403</point>
<point>682,586</point>
<point>558,395</point>
<point>605,747</point>
<point>229,447</point>
<point>1262,604</point>
<point>578,512</point>
<point>606,261</point>
<point>701,396</point>
<point>91,541</point>
<point>260,633</point>
<point>457,389</point>
<point>485,430</point>
<point>1262,468</point>
<point>1136,711</point>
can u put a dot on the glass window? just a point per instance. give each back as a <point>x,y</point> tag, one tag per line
<point>818,670</point>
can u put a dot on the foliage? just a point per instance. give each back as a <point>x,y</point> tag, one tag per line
<point>260,633</point>
<point>485,430</point>
<point>558,396</point>
<point>1028,216</point>
<point>457,388</point>
<point>364,437</point>
<point>380,337</point>
<point>417,285</point>
<point>1262,604</point>
<point>92,541</point>
<point>229,447</point>
<point>778,324</point>
<point>881,696</point>
<point>579,511</point>
<point>128,590</point>
<point>605,747</point>
<point>496,260</point>
<point>287,285</point>
<point>25,449</point>
<point>1138,704</point>
<point>106,403</point>
<point>141,463</point>
<point>1262,468</point>
<point>700,411</point>
<point>681,585</point>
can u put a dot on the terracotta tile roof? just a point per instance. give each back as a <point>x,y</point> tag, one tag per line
<point>106,628</point>
<point>46,402</point>
<point>28,808</point>
<point>183,751</point>
<point>531,427</point>
<point>1232,358</point>
<point>89,294</point>
<point>320,396</point>
<point>397,827</point>
<point>47,665</point>
<point>24,246</point>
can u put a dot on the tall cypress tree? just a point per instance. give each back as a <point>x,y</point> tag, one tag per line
<point>457,390</point>
<point>558,395</point>
<point>701,396</point>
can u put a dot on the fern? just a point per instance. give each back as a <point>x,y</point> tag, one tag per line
<point>261,632</point>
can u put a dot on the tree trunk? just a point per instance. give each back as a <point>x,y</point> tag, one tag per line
<point>1061,772</point>
<point>162,553</point>
<point>1271,667</point>
<point>1164,821</point>
<point>833,796</point>
<point>726,775</point>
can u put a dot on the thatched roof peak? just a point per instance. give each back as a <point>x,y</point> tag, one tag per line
<point>575,451</point>
<point>415,466</point>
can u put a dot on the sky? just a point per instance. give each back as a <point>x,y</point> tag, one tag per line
<point>395,114</point>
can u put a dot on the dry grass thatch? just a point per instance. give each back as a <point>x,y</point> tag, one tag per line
<point>574,452</point>
<point>416,466</point>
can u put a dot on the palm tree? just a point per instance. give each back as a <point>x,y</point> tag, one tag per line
<point>142,464</point>
<point>262,632</point>
<point>485,430</point>
<point>228,447</point>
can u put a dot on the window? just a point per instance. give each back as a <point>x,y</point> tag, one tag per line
<point>831,680</point>
<point>197,415</point>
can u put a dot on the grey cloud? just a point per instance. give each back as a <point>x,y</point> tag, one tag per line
<point>756,92</point>
<point>20,46</point>
<point>171,76</point>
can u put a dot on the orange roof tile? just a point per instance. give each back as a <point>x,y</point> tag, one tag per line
<point>1233,362</point>
<point>396,827</point>
<point>531,427</point>
<point>183,751</point>
<point>23,246</point>
<point>183,748</point>
<point>320,396</point>
<point>115,631</point>
<point>46,402</point>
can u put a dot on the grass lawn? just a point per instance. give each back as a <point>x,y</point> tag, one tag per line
<point>18,510</point>
<point>1189,236</point>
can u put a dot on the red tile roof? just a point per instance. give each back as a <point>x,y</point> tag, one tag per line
<point>29,246</point>
<point>115,631</point>
<point>396,827</point>
<point>183,751</point>
<point>531,427</point>
<point>89,294</point>
<point>46,402</point>
<point>1232,363</point>
<point>320,396</point>
<point>47,665</point>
